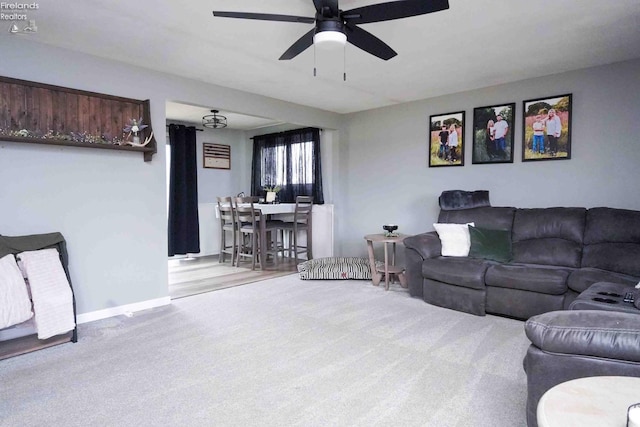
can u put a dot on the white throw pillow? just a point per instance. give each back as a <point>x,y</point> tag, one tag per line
<point>455,238</point>
<point>15,305</point>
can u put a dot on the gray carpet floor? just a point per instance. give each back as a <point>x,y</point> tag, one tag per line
<point>281,352</point>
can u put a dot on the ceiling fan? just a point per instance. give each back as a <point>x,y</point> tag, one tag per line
<point>335,25</point>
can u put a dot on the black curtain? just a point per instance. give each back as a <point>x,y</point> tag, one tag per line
<point>290,160</point>
<point>184,236</point>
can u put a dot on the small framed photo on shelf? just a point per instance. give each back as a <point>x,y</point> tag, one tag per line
<point>546,128</point>
<point>446,139</point>
<point>493,134</point>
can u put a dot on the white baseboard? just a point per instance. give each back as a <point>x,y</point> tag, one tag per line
<point>122,309</point>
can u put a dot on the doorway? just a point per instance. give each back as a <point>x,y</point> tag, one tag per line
<point>193,274</point>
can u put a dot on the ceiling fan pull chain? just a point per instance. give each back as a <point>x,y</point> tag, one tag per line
<point>314,60</point>
<point>344,63</point>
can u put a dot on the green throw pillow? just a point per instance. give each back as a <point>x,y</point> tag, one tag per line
<point>490,244</point>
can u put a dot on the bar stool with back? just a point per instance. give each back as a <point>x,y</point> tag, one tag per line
<point>227,216</point>
<point>301,223</point>
<point>253,229</point>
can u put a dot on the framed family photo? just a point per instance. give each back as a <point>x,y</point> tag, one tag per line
<point>546,128</point>
<point>446,139</point>
<point>493,134</point>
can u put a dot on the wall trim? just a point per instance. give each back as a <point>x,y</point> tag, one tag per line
<point>127,310</point>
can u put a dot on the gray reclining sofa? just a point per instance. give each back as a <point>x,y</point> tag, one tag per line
<point>556,253</point>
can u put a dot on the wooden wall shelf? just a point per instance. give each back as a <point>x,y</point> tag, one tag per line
<point>39,109</point>
<point>148,151</point>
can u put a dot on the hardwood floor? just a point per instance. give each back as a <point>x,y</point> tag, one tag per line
<point>205,274</point>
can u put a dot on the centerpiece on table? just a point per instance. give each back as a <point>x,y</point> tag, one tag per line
<point>390,230</point>
<point>271,193</point>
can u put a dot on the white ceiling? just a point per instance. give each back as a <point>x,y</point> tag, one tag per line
<point>474,44</point>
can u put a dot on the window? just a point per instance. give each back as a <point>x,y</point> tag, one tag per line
<point>290,160</point>
<point>301,151</point>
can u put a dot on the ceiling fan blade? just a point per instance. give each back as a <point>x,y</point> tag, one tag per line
<point>318,5</point>
<point>393,10</point>
<point>299,46</point>
<point>265,17</point>
<point>369,43</point>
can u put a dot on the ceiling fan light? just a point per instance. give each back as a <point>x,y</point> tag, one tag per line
<point>329,39</point>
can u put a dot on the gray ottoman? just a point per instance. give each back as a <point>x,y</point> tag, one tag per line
<point>606,296</point>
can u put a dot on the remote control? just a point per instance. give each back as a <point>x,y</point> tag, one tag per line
<point>628,297</point>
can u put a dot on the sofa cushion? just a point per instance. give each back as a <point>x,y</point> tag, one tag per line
<point>488,217</point>
<point>618,257</point>
<point>490,244</point>
<point>612,240</point>
<point>465,272</point>
<point>581,279</point>
<point>534,278</point>
<point>612,225</point>
<point>551,236</point>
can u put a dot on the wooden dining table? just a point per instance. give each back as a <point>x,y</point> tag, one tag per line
<point>270,208</point>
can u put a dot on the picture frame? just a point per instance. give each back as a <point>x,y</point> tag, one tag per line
<point>541,115</point>
<point>440,154</point>
<point>493,134</point>
<point>216,156</point>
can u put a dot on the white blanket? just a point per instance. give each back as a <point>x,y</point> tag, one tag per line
<point>15,305</point>
<point>50,290</point>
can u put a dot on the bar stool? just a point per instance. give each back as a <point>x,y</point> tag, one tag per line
<point>227,215</point>
<point>301,223</point>
<point>253,229</point>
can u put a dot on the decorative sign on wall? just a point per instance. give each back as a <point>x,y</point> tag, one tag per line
<point>39,113</point>
<point>216,156</point>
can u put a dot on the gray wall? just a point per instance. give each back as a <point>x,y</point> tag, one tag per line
<point>221,182</point>
<point>110,206</point>
<point>386,165</point>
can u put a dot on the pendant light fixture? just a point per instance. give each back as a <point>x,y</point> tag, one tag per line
<point>214,121</point>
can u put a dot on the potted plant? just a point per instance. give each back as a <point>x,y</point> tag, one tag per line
<point>271,193</point>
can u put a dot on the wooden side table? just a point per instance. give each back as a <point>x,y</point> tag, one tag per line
<point>389,267</point>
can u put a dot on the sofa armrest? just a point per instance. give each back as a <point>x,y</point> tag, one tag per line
<point>594,333</point>
<point>426,245</point>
